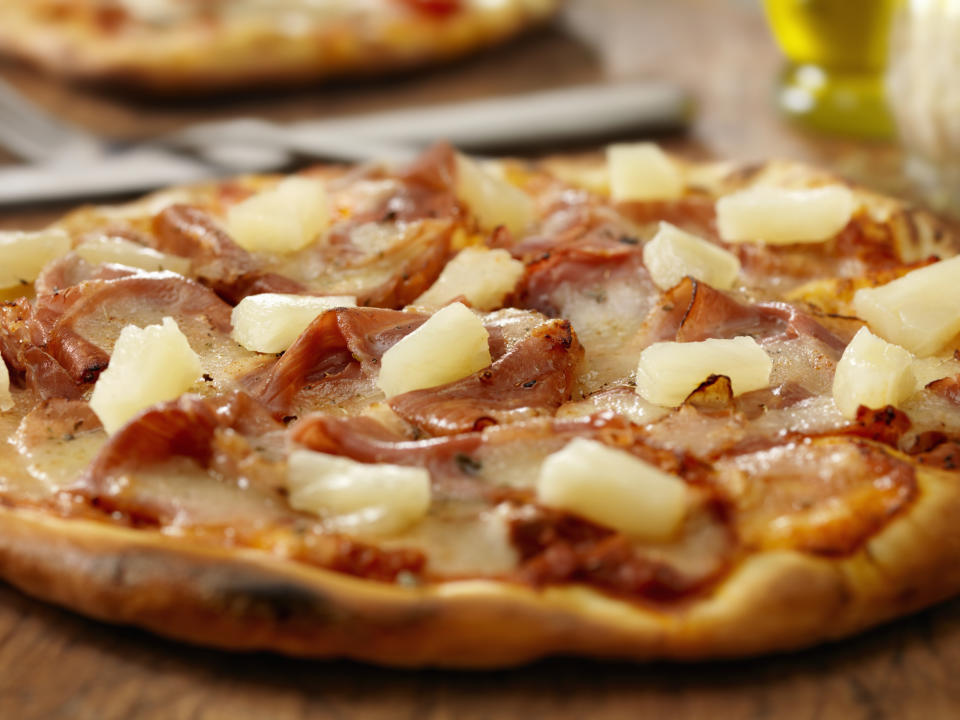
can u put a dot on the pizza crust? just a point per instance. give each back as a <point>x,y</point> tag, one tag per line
<point>249,600</point>
<point>192,59</point>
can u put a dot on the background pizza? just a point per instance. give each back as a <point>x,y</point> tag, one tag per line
<point>483,353</point>
<point>183,46</point>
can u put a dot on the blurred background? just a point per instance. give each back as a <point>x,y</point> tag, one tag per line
<point>825,104</point>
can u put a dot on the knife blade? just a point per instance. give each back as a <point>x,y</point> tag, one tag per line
<point>556,116</point>
<point>254,145</point>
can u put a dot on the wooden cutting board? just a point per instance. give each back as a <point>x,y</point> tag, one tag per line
<point>54,665</point>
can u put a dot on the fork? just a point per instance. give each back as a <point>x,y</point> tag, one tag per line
<point>34,135</point>
<point>31,134</point>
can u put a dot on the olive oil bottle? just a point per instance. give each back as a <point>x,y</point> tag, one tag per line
<point>836,52</point>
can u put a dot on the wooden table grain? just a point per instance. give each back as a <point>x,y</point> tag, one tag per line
<point>54,665</point>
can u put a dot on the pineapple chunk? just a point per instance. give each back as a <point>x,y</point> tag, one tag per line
<point>613,488</point>
<point>283,219</point>
<point>669,371</point>
<point>492,199</point>
<point>642,171</point>
<point>24,254</point>
<point>917,311</point>
<point>673,254</point>
<point>270,322</point>
<point>355,496</point>
<point>483,276</point>
<point>780,216</point>
<point>148,365</point>
<point>450,345</point>
<point>6,398</point>
<point>872,372</point>
<point>107,249</point>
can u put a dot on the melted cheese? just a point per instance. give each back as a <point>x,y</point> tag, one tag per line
<point>106,249</point>
<point>6,398</point>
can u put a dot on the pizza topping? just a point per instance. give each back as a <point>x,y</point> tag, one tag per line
<point>148,365</point>
<point>825,497</point>
<point>24,254</point>
<point>873,373</point>
<point>673,254</point>
<point>777,216</point>
<point>282,219</point>
<point>505,449</point>
<point>6,398</point>
<point>532,378</point>
<point>642,171</point>
<point>613,488</point>
<point>271,322</point>
<point>22,349</point>
<point>622,400</point>
<point>181,428</point>
<point>481,276</point>
<point>451,345</point>
<point>191,232</point>
<point>334,360</point>
<point>365,440</point>
<point>349,495</point>
<point>668,372</point>
<point>558,547</point>
<point>492,200</point>
<point>107,249</point>
<point>918,310</point>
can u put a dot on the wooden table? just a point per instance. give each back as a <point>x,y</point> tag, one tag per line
<point>55,665</point>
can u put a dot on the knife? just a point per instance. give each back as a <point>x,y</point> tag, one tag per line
<point>576,113</point>
<point>216,149</point>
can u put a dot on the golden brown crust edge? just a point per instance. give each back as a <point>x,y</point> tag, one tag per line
<point>247,600</point>
<point>237,60</point>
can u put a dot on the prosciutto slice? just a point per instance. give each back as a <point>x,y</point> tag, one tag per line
<point>534,378</point>
<point>694,311</point>
<point>334,357</point>
<point>30,364</point>
<point>215,258</point>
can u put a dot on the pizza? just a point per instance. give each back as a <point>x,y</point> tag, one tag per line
<point>183,46</point>
<point>468,413</point>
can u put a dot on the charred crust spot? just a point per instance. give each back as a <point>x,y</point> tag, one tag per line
<point>628,240</point>
<point>482,423</point>
<point>207,377</point>
<point>92,372</point>
<point>886,425</point>
<point>279,602</point>
<point>468,465</point>
<point>530,383</point>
